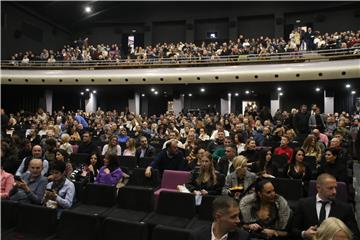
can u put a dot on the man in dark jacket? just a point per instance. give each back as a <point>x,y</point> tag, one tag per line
<point>87,145</point>
<point>226,220</point>
<point>301,121</point>
<point>144,150</point>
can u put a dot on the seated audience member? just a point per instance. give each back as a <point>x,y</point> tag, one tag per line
<point>123,137</point>
<point>145,149</point>
<point>110,173</point>
<point>312,211</point>
<point>194,158</point>
<point>264,166</point>
<point>297,168</point>
<point>284,148</point>
<point>323,138</point>
<point>87,171</point>
<point>205,181</point>
<point>87,145</point>
<point>6,182</point>
<point>240,177</point>
<point>10,157</point>
<point>173,135</point>
<point>332,164</point>
<point>168,159</point>
<point>333,229</point>
<point>30,187</point>
<point>62,155</point>
<point>265,213</point>
<point>220,151</point>
<point>65,138</point>
<point>226,220</point>
<point>112,147</point>
<point>225,164</point>
<point>60,192</point>
<point>36,153</point>
<point>219,128</point>
<point>218,142</point>
<point>250,151</point>
<point>130,149</point>
<point>311,148</point>
<point>238,141</point>
<point>50,149</point>
<point>203,135</point>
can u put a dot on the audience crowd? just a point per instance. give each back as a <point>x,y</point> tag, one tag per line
<point>299,40</point>
<point>231,154</point>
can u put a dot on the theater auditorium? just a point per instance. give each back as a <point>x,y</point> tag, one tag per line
<point>219,120</point>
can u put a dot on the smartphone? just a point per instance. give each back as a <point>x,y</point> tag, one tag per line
<point>17,178</point>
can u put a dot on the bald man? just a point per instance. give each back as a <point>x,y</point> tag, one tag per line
<point>36,152</point>
<point>30,187</point>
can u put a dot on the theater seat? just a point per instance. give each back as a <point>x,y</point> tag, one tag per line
<point>78,159</point>
<point>122,229</point>
<point>128,162</point>
<point>138,178</point>
<point>171,179</point>
<point>204,216</point>
<point>164,232</point>
<point>9,211</point>
<point>341,191</point>
<point>290,189</point>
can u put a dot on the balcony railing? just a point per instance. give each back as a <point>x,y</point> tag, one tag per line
<point>287,57</point>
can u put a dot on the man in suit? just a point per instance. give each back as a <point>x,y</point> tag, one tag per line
<point>226,220</point>
<point>312,211</point>
<point>224,166</point>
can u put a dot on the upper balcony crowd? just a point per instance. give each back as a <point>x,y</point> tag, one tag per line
<point>83,50</point>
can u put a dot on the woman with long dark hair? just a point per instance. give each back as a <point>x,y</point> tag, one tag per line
<point>264,166</point>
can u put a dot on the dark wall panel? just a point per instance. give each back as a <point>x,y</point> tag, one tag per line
<point>202,27</point>
<point>256,26</point>
<point>168,32</point>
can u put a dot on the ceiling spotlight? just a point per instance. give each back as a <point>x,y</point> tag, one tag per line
<point>236,94</point>
<point>82,93</point>
<point>143,95</point>
<point>202,90</point>
<point>88,9</point>
<point>134,30</point>
<point>156,92</point>
<point>229,94</point>
<point>165,92</point>
<point>190,95</point>
<point>317,89</point>
<point>153,89</point>
<point>347,85</point>
<point>279,89</point>
<point>94,91</point>
<point>298,21</point>
<point>280,93</point>
<point>353,92</point>
<point>247,92</point>
<point>87,89</point>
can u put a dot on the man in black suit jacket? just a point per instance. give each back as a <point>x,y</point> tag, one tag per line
<point>226,161</point>
<point>144,150</point>
<point>226,220</point>
<point>307,215</point>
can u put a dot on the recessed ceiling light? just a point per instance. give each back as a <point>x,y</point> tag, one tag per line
<point>190,95</point>
<point>156,92</point>
<point>202,90</point>
<point>353,92</point>
<point>317,89</point>
<point>298,21</point>
<point>143,95</point>
<point>347,85</point>
<point>94,91</point>
<point>247,91</point>
<point>134,30</point>
<point>279,88</point>
<point>153,89</point>
<point>88,9</point>
<point>281,93</point>
<point>229,94</point>
<point>82,93</point>
<point>236,94</point>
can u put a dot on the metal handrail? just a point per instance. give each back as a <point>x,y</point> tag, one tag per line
<point>299,56</point>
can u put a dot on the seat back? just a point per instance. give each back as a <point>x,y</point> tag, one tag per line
<point>144,198</point>
<point>341,190</point>
<point>144,162</point>
<point>138,178</point>
<point>170,202</point>
<point>310,161</point>
<point>172,178</point>
<point>9,211</point>
<point>165,232</point>
<point>78,159</point>
<point>114,228</point>
<point>279,160</point>
<point>128,161</point>
<point>78,226</point>
<point>205,208</point>
<point>100,195</point>
<point>36,220</point>
<point>80,188</point>
<point>290,189</point>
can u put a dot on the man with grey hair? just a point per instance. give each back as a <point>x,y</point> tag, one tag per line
<point>226,221</point>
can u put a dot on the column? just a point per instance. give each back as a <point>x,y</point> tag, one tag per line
<point>328,104</point>
<point>229,103</point>
<point>90,103</point>
<point>178,104</point>
<point>49,101</point>
<point>144,105</point>
<point>137,103</point>
<point>224,107</point>
<point>190,30</point>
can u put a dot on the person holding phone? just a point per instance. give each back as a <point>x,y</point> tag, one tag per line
<point>30,187</point>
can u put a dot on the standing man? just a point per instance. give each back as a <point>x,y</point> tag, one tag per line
<point>312,211</point>
<point>226,220</point>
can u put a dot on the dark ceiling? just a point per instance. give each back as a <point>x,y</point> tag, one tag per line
<point>70,15</point>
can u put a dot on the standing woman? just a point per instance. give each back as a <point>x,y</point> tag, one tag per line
<point>110,173</point>
<point>206,180</point>
<point>112,147</point>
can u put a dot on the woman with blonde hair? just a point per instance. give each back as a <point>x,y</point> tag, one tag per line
<point>240,177</point>
<point>112,147</point>
<point>311,148</point>
<point>130,148</point>
<point>333,229</point>
<point>65,138</point>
